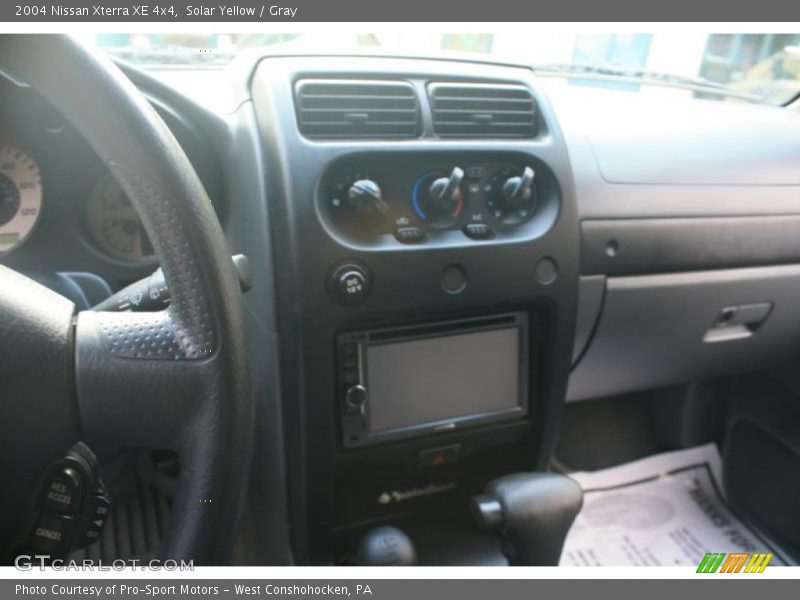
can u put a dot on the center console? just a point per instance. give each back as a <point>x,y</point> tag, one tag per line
<point>426,255</point>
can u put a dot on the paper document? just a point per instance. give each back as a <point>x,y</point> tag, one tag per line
<point>667,509</point>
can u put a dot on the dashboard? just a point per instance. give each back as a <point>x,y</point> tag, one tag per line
<point>443,253</point>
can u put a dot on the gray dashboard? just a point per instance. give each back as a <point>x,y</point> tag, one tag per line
<point>687,208</point>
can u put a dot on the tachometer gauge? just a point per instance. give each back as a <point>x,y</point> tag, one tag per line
<point>114,224</point>
<point>20,197</point>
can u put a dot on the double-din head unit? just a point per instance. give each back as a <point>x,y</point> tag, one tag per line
<point>419,379</point>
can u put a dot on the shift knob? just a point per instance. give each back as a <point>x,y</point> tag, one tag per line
<point>386,546</point>
<point>532,512</point>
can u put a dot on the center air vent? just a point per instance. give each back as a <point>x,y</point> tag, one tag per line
<point>482,110</point>
<point>356,109</point>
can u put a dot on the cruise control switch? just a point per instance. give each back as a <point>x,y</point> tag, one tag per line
<point>72,506</point>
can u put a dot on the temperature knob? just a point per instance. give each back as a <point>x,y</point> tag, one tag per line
<point>445,192</point>
<point>512,198</point>
<point>437,198</point>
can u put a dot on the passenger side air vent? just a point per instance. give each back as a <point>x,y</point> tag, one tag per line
<point>482,110</point>
<point>356,109</point>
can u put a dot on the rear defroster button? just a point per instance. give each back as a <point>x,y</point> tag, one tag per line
<point>409,235</point>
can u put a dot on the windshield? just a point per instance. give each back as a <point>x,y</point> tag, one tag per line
<point>756,67</point>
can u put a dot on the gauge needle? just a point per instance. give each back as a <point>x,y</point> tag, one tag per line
<point>130,226</point>
<point>144,243</point>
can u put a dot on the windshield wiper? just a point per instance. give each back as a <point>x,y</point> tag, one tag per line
<point>640,75</point>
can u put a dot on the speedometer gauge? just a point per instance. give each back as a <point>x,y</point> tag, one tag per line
<point>114,224</point>
<point>20,197</point>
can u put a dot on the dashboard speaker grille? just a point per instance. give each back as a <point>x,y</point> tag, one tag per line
<point>356,109</point>
<point>482,110</point>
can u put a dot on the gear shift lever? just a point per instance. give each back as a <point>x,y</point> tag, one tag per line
<point>532,512</point>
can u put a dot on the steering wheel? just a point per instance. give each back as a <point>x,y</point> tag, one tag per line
<point>175,379</point>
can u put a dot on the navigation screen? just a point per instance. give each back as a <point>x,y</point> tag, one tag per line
<point>443,378</point>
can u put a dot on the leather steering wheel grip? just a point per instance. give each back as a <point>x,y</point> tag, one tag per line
<point>177,378</point>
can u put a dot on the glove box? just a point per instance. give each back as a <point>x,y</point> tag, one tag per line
<point>658,330</point>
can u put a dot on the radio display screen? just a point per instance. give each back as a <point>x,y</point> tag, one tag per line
<point>443,379</point>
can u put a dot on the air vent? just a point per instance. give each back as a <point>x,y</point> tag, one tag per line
<point>482,110</point>
<point>356,109</point>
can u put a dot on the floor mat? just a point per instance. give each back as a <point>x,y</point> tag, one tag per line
<point>667,509</point>
<point>141,489</point>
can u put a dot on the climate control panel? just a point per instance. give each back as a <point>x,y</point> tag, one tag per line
<point>430,198</point>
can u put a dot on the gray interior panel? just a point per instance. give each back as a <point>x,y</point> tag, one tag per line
<point>657,330</point>
<point>685,141</point>
<point>646,246</point>
<point>643,160</point>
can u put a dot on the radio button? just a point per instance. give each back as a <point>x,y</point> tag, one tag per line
<point>349,377</point>
<point>349,362</point>
<point>356,396</point>
<point>353,430</point>
<point>348,350</point>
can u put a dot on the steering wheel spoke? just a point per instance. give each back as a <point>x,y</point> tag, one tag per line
<point>139,379</point>
<point>173,379</point>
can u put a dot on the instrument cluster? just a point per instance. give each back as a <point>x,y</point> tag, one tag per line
<point>113,227</point>
<point>20,197</point>
<point>60,207</point>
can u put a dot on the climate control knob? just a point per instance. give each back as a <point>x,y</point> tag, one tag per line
<point>445,192</point>
<point>512,198</point>
<point>437,198</point>
<point>517,190</point>
<point>365,197</point>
